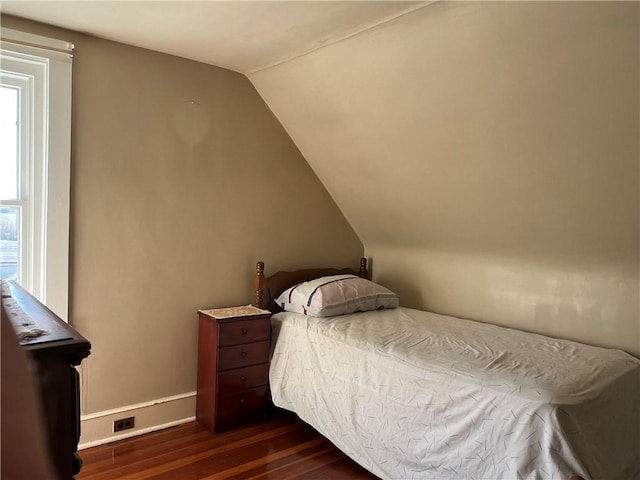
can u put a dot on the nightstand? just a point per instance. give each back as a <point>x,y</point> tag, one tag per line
<point>233,366</point>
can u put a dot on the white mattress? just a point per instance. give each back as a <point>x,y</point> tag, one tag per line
<point>411,394</point>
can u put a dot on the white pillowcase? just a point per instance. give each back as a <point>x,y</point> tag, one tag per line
<point>336,295</point>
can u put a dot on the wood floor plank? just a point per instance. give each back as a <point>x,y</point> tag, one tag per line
<point>222,459</point>
<point>184,431</point>
<point>152,461</point>
<point>129,453</point>
<point>300,468</point>
<point>263,460</point>
<point>341,468</point>
<point>283,448</point>
<point>290,467</point>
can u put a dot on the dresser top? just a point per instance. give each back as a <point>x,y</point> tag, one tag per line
<point>38,329</point>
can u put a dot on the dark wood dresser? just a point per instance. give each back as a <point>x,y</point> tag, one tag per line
<point>55,349</point>
<point>233,367</point>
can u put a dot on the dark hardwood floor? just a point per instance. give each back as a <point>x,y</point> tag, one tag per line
<point>283,448</point>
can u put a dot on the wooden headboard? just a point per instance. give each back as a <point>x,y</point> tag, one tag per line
<point>269,288</point>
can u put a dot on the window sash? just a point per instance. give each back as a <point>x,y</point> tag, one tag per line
<point>45,172</point>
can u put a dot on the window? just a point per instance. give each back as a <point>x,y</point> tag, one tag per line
<point>35,133</point>
<point>9,214</point>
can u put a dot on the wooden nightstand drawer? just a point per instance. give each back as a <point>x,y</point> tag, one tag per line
<point>244,331</point>
<point>239,356</point>
<point>231,381</point>
<point>243,402</point>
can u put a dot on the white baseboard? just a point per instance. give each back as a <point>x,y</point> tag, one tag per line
<point>97,428</point>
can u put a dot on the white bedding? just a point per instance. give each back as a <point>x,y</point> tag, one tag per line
<point>411,394</point>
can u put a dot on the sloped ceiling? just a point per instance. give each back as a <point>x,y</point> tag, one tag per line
<point>506,128</point>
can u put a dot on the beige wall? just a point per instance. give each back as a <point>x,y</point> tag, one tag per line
<point>172,205</point>
<point>487,155</point>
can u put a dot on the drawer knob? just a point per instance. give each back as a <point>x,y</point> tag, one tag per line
<point>243,400</point>
<point>243,378</point>
<point>243,354</point>
<point>245,331</point>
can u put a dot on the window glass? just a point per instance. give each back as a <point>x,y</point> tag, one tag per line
<point>10,243</point>
<point>8,142</point>
<point>9,215</point>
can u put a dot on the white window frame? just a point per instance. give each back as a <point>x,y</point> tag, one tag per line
<point>41,67</point>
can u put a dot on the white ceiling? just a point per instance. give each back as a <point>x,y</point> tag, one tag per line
<point>239,35</point>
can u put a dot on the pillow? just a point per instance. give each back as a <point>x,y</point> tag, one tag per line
<point>336,295</point>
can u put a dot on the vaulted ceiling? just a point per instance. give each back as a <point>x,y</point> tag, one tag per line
<point>496,128</point>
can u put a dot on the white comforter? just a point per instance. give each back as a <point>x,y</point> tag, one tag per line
<point>411,394</point>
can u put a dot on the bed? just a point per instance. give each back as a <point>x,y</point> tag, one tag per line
<point>411,394</point>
